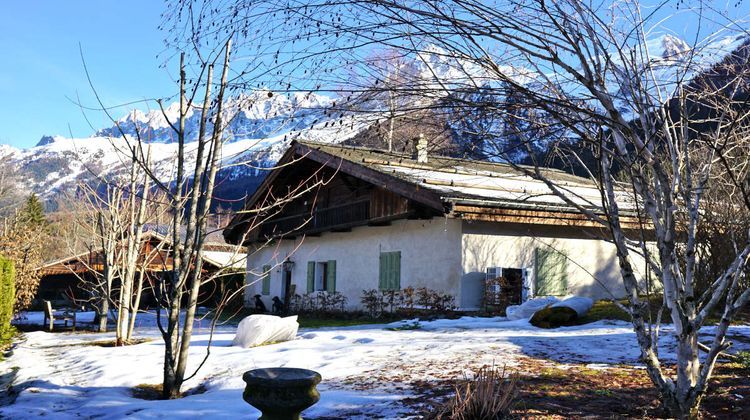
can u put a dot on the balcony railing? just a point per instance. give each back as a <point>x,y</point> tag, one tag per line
<point>318,220</point>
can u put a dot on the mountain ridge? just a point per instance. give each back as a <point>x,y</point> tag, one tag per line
<point>262,124</point>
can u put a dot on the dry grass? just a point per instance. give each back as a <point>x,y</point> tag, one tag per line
<point>113,343</point>
<point>154,391</point>
<point>489,395</point>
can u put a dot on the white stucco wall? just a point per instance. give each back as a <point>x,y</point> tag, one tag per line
<point>430,257</point>
<point>592,268</point>
<point>449,255</point>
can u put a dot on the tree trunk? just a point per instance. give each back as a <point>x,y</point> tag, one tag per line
<point>136,303</point>
<point>123,317</point>
<point>679,407</point>
<point>170,386</point>
<point>104,313</point>
<point>684,399</point>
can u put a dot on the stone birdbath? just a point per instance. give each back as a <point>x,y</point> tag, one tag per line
<point>281,393</point>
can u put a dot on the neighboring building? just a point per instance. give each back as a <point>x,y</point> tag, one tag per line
<point>357,219</point>
<point>69,280</point>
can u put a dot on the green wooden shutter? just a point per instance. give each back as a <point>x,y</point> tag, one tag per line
<point>551,272</point>
<point>266,281</point>
<point>396,270</point>
<point>310,276</point>
<point>331,275</point>
<point>390,271</point>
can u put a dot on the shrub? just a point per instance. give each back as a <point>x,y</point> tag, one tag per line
<point>489,395</point>
<point>7,300</point>
<point>743,357</point>
<point>376,302</point>
<point>433,300</point>
<point>373,302</point>
<point>318,303</point>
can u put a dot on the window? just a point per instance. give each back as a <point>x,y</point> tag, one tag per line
<point>390,270</point>
<point>321,276</point>
<point>266,280</point>
<point>551,268</point>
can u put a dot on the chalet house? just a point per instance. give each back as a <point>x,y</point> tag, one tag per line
<point>348,219</point>
<point>68,280</point>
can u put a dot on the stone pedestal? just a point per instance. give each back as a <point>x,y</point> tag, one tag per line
<point>281,393</point>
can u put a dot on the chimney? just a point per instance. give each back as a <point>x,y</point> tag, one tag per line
<point>420,149</point>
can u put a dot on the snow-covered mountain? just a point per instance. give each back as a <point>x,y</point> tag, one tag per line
<point>261,124</point>
<point>260,114</point>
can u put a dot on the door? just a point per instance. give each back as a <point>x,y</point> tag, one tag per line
<point>513,288</point>
<point>286,289</point>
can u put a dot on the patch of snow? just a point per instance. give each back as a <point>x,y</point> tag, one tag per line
<point>366,369</point>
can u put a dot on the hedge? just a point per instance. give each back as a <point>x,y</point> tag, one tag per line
<point>7,298</point>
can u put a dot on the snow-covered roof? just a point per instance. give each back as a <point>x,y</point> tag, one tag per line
<point>224,259</point>
<point>216,253</point>
<point>480,182</point>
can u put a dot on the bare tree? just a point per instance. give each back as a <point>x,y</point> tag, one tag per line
<point>109,244</point>
<point>664,123</point>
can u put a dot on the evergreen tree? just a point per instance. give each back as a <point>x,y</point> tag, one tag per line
<point>32,213</point>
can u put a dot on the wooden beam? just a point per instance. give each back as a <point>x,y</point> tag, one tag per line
<point>491,214</point>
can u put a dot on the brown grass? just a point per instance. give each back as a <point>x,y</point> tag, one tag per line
<point>489,395</point>
<point>154,391</point>
<point>548,390</point>
<point>113,343</point>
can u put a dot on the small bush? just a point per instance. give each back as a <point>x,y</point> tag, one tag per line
<point>373,302</point>
<point>433,300</point>
<point>406,301</point>
<point>319,303</point>
<point>489,395</point>
<point>743,357</point>
<point>7,300</point>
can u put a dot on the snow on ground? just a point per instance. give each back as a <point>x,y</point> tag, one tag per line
<point>367,370</point>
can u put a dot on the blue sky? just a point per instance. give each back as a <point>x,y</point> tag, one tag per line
<point>42,73</point>
<point>42,68</point>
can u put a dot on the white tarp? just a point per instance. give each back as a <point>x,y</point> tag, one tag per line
<point>255,330</point>
<point>527,309</point>
<point>579,304</point>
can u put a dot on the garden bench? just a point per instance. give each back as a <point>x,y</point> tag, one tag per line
<point>52,315</point>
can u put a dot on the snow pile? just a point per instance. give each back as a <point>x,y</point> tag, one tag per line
<point>256,330</point>
<point>528,308</point>
<point>579,304</point>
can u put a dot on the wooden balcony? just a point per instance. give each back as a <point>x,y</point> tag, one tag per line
<point>329,218</point>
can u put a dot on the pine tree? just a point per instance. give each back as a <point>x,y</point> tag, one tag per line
<point>32,213</point>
